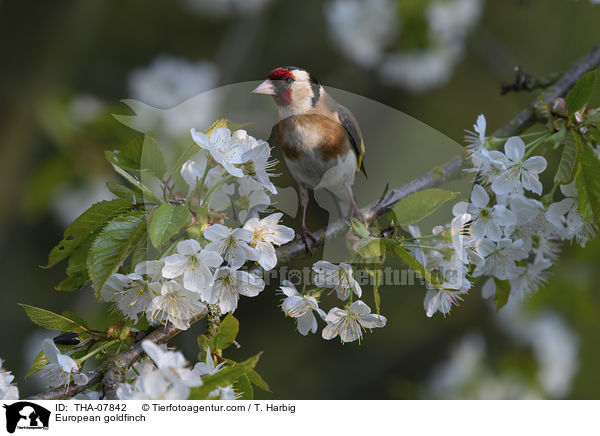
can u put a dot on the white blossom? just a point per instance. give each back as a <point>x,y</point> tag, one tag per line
<point>130,293</point>
<point>176,305</point>
<point>193,170</point>
<point>229,285</point>
<point>172,365</point>
<point>207,367</point>
<point>564,216</point>
<point>226,148</point>
<point>153,386</point>
<point>8,391</point>
<point>252,199</point>
<point>267,232</point>
<point>442,300</point>
<point>231,245</point>
<point>193,263</point>
<point>487,220</point>
<point>222,197</point>
<point>301,307</point>
<point>60,367</point>
<point>349,323</point>
<point>500,258</point>
<point>259,163</point>
<point>517,172</point>
<point>339,277</point>
<point>531,277</point>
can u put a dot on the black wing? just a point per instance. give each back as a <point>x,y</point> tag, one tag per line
<point>351,126</point>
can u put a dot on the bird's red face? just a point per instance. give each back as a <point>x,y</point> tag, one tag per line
<point>278,84</point>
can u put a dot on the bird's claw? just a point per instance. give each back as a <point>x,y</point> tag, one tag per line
<point>307,236</point>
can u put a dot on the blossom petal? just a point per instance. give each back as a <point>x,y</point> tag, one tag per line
<point>514,148</point>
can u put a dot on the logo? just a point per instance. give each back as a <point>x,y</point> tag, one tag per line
<point>26,415</point>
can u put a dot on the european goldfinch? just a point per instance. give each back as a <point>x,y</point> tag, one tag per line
<point>320,139</point>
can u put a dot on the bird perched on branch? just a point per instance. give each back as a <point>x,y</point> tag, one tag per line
<point>320,139</point>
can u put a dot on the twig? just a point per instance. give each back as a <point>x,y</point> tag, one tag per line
<point>115,368</point>
<point>432,178</point>
<point>526,82</point>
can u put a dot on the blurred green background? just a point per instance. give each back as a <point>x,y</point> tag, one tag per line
<point>67,64</point>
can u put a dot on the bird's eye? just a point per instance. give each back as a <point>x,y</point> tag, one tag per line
<point>289,80</point>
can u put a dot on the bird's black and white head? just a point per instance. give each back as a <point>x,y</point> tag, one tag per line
<point>294,90</point>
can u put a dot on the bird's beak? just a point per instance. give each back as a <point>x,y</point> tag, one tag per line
<point>265,88</point>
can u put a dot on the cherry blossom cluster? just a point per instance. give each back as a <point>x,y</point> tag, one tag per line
<point>349,322</point>
<point>207,270</point>
<point>8,391</point>
<point>506,232</point>
<point>166,375</point>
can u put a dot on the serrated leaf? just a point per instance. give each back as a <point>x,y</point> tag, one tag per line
<point>567,167</point>
<point>410,260</point>
<point>257,380</point>
<point>112,246</point>
<point>123,192</point>
<point>38,363</point>
<point>244,388</point>
<point>417,206</point>
<point>166,221</point>
<point>224,377</point>
<point>579,95</point>
<point>226,333</point>
<point>52,321</point>
<point>140,154</point>
<point>588,185</point>
<point>502,293</point>
<point>139,252</point>
<point>88,223</point>
<point>147,193</point>
<point>77,272</point>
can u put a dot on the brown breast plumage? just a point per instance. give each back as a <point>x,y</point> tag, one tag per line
<point>301,134</point>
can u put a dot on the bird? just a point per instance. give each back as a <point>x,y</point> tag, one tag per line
<point>320,140</point>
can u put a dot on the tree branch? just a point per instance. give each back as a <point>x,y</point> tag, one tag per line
<point>115,367</point>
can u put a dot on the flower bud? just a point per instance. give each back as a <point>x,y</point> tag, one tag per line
<point>558,107</point>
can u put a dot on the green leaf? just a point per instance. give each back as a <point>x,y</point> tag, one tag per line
<point>38,363</point>
<point>567,167</point>
<point>124,193</point>
<point>359,228</point>
<point>370,247</point>
<point>244,387</point>
<point>112,246</point>
<point>139,252</point>
<point>377,274</point>
<point>52,321</point>
<point>203,345</point>
<point>84,226</point>
<point>166,222</point>
<point>417,206</point>
<point>226,334</point>
<point>147,193</point>
<point>579,95</point>
<point>257,380</point>
<point>588,185</point>
<point>410,260</point>
<point>502,293</point>
<point>77,272</point>
<point>142,155</point>
<point>224,377</point>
